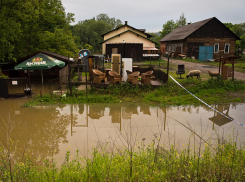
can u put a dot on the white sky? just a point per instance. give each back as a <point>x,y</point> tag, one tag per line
<point>152,14</point>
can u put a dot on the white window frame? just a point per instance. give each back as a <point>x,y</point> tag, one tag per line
<point>228,49</point>
<point>217,49</point>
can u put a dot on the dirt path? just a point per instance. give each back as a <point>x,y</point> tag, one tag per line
<point>203,68</point>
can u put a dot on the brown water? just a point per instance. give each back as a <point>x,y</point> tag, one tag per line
<point>50,130</point>
<point>37,86</point>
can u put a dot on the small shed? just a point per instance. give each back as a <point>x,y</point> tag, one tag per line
<point>55,72</point>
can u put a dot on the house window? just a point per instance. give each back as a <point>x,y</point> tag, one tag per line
<point>226,49</point>
<point>216,48</point>
<point>114,50</point>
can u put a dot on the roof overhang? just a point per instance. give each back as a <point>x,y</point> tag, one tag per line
<point>150,49</point>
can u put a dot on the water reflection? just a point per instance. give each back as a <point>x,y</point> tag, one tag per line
<point>218,119</point>
<point>39,129</point>
<point>49,129</point>
<point>96,111</point>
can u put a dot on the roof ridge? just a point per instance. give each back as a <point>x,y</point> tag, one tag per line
<point>125,32</point>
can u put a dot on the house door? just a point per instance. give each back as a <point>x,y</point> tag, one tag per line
<point>205,52</point>
<point>133,54</point>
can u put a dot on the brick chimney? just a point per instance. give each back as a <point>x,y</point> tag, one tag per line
<point>126,22</point>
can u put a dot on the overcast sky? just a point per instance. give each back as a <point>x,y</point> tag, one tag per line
<point>152,14</point>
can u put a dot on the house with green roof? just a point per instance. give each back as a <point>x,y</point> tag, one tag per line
<point>129,42</point>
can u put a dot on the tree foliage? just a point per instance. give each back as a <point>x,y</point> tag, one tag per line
<point>170,25</point>
<point>27,25</point>
<point>90,31</point>
<point>155,38</point>
<point>239,30</point>
<point>181,21</point>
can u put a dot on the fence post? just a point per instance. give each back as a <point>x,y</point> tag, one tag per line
<point>168,68</point>
<point>86,78</point>
<point>69,76</point>
<point>29,81</point>
<point>219,63</point>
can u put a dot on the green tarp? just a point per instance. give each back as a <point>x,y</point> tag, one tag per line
<point>39,62</point>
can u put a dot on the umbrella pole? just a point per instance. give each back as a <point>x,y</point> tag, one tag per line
<point>42,75</point>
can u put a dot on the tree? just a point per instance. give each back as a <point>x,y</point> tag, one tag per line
<point>25,23</point>
<point>182,21</point>
<point>87,46</point>
<point>110,21</point>
<point>155,38</point>
<point>167,28</point>
<point>170,25</point>
<point>90,31</point>
<point>239,30</point>
<point>242,43</point>
<point>60,41</point>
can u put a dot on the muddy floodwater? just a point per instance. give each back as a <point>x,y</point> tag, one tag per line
<point>51,130</point>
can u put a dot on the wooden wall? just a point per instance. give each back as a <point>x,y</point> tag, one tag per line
<point>127,50</point>
<point>192,46</point>
<point>213,29</point>
<point>63,74</point>
<point>163,47</point>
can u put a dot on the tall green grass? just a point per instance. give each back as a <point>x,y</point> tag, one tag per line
<point>223,162</point>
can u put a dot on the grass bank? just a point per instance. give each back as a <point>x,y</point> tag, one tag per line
<point>223,162</point>
<point>212,91</point>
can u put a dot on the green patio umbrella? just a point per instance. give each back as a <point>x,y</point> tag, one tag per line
<point>39,62</point>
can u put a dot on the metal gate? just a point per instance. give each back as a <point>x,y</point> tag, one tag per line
<point>205,52</point>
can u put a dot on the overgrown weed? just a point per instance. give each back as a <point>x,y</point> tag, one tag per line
<point>225,162</point>
<point>211,91</point>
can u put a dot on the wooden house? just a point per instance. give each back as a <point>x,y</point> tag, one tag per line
<point>207,39</point>
<point>127,41</point>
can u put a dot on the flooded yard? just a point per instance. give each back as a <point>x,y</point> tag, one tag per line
<point>51,130</point>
